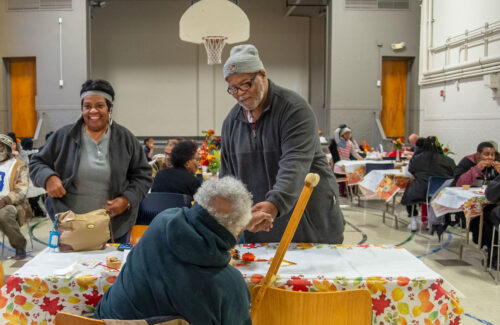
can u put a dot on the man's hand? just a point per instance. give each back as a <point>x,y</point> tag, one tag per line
<point>54,187</point>
<point>496,165</point>
<point>266,206</point>
<point>5,201</point>
<point>116,207</point>
<point>483,164</point>
<point>261,221</point>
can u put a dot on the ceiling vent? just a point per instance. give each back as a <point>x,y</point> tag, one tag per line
<point>20,5</point>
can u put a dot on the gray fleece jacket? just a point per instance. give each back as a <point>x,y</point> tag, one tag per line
<point>130,172</point>
<point>273,156</point>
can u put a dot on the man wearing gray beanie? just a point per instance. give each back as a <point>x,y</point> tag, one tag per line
<point>270,142</point>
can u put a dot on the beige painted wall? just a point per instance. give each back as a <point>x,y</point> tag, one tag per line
<point>164,86</point>
<point>36,33</point>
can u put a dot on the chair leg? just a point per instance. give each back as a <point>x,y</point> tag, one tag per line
<point>29,233</point>
<point>383,217</point>
<point>492,246</point>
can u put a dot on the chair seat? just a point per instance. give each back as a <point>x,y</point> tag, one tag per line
<point>284,307</point>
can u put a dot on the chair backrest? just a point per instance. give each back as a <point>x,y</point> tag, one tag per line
<point>283,307</point>
<point>2,277</point>
<point>136,233</point>
<point>435,183</point>
<point>156,202</point>
<point>63,318</point>
<point>370,167</point>
<point>388,158</point>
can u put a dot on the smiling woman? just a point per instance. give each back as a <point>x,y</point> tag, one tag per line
<point>94,163</point>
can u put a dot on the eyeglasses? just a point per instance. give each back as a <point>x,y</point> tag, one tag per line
<point>243,87</point>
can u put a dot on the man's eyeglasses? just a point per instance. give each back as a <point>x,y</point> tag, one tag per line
<point>243,87</point>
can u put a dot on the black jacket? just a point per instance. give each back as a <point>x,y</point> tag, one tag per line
<point>130,172</point>
<point>176,180</point>
<point>422,166</point>
<point>180,267</point>
<point>493,195</point>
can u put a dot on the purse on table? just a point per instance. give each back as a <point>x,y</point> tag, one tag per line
<point>83,232</point>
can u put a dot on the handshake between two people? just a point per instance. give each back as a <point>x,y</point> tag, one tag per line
<point>263,214</point>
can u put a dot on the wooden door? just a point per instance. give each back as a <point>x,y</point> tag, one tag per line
<point>393,97</point>
<point>22,94</point>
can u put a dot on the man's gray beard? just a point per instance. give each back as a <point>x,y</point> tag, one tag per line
<point>3,156</point>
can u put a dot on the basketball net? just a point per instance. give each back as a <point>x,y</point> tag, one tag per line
<point>214,46</point>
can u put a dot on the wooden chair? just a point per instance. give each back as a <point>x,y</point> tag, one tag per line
<point>63,318</point>
<point>2,277</point>
<point>283,307</point>
<point>136,233</point>
<point>279,307</point>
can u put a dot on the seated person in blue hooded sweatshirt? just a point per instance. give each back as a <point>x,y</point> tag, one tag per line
<point>181,264</point>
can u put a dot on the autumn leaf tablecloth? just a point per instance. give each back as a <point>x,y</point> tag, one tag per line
<point>404,290</point>
<point>34,295</point>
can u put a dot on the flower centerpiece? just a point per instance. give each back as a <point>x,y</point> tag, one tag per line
<point>445,148</point>
<point>210,156</point>
<point>398,145</point>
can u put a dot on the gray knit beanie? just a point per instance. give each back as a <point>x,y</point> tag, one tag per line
<point>243,59</point>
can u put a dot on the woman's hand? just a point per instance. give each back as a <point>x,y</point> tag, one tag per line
<point>54,187</point>
<point>116,207</point>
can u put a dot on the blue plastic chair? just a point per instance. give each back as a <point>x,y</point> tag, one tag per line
<point>370,167</point>
<point>156,202</point>
<point>434,184</point>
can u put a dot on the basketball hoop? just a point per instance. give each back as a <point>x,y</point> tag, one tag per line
<point>214,46</point>
<point>206,18</point>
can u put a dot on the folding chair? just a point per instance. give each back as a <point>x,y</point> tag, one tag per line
<point>434,186</point>
<point>156,202</point>
<point>63,318</point>
<point>2,276</point>
<point>279,307</point>
<point>496,229</point>
<point>136,233</point>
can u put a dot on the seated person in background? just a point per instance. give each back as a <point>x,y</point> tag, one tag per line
<point>181,264</point>
<point>17,149</point>
<point>430,162</point>
<point>14,208</point>
<point>412,139</point>
<point>168,152</point>
<point>164,161</point>
<point>181,178</point>
<point>418,146</point>
<point>149,147</point>
<point>345,147</point>
<point>478,168</point>
<point>491,217</point>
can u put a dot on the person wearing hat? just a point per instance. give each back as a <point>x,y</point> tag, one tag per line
<point>14,208</point>
<point>94,163</point>
<point>270,142</point>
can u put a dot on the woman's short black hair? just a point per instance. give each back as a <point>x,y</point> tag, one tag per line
<point>147,139</point>
<point>101,85</point>
<point>483,145</point>
<point>183,152</point>
<point>432,144</point>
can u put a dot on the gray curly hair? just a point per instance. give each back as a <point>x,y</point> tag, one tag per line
<point>235,192</point>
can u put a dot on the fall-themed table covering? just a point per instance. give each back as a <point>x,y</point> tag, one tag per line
<point>404,290</point>
<point>456,199</point>
<point>384,184</point>
<point>52,282</point>
<point>355,170</point>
